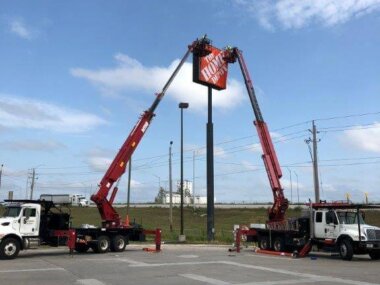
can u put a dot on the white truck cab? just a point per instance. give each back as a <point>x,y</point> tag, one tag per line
<point>346,229</point>
<point>19,227</point>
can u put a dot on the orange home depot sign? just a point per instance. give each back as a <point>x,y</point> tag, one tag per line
<point>211,70</point>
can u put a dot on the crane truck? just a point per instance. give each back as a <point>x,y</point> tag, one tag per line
<point>337,227</point>
<point>31,223</point>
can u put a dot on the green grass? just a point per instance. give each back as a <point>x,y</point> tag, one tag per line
<point>195,222</point>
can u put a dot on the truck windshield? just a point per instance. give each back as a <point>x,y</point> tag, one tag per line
<point>349,218</point>
<point>12,212</point>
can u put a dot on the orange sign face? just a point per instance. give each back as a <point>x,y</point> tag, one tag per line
<point>211,70</point>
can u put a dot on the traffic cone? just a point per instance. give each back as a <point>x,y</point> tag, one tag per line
<point>127,221</point>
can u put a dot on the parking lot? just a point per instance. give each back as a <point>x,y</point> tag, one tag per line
<point>183,264</point>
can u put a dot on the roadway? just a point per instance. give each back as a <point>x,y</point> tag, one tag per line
<point>183,264</point>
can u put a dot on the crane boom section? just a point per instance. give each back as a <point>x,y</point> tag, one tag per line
<point>117,168</point>
<point>272,166</point>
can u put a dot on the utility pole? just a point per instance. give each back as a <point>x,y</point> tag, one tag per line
<point>170,188</point>
<point>315,160</point>
<point>32,184</point>
<point>129,184</point>
<point>1,173</point>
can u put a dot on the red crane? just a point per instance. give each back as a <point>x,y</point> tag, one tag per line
<point>110,218</point>
<point>272,166</point>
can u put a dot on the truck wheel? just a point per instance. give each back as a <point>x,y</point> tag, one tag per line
<point>102,245</point>
<point>263,243</point>
<point>278,244</point>
<point>346,250</point>
<point>9,248</point>
<point>118,243</point>
<point>81,247</point>
<point>375,255</point>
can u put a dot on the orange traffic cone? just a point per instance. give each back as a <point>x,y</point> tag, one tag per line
<point>127,221</point>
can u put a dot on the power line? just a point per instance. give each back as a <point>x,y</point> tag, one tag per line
<point>347,116</point>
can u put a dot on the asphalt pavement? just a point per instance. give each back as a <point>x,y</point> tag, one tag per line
<point>183,264</point>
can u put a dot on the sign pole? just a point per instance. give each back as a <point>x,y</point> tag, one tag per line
<point>210,171</point>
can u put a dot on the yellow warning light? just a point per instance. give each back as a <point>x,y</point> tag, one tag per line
<point>122,164</point>
<point>133,144</point>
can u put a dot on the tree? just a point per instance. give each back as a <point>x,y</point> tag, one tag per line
<point>160,198</point>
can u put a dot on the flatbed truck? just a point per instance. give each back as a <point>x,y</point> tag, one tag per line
<point>332,227</point>
<point>29,223</point>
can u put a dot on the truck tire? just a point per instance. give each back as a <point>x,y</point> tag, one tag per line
<point>118,243</point>
<point>278,244</point>
<point>375,255</point>
<point>102,245</point>
<point>9,248</point>
<point>263,242</point>
<point>346,249</point>
<point>81,247</point>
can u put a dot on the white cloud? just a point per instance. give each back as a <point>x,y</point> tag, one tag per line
<point>249,166</point>
<point>256,148</point>
<point>19,28</point>
<point>295,14</point>
<point>363,138</point>
<point>33,145</point>
<point>129,74</point>
<point>33,114</point>
<point>99,159</point>
<point>219,152</point>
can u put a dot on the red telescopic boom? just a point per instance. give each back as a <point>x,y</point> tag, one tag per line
<point>272,166</point>
<point>117,168</point>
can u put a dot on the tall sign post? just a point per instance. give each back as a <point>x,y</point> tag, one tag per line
<point>210,70</point>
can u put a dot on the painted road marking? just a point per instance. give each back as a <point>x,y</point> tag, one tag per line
<point>90,282</point>
<point>220,282</point>
<point>126,260</point>
<point>33,270</point>
<point>305,277</point>
<point>188,256</point>
<point>172,264</point>
<point>204,279</point>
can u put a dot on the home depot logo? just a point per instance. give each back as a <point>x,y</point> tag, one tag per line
<point>211,70</point>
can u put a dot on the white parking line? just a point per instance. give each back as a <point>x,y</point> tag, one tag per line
<point>90,282</point>
<point>188,256</point>
<point>220,282</point>
<point>205,279</point>
<point>172,264</point>
<point>131,261</point>
<point>33,270</point>
<point>302,277</point>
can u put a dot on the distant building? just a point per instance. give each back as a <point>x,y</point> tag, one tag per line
<point>187,187</point>
<point>176,199</point>
<point>188,198</point>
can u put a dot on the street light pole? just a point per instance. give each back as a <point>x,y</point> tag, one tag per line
<point>298,194</point>
<point>182,106</point>
<point>170,188</point>
<point>291,186</point>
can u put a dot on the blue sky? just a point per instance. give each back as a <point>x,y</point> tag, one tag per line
<point>76,75</point>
